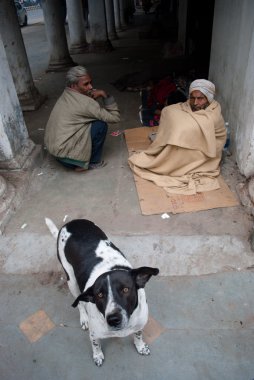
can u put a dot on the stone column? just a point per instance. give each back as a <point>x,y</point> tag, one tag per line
<point>28,95</point>
<point>117,15</point>
<point>122,10</point>
<point>76,22</point>
<point>98,27</point>
<point>85,12</point>
<point>182,22</point>
<point>60,58</point>
<point>130,10</point>
<point>110,20</point>
<point>15,145</point>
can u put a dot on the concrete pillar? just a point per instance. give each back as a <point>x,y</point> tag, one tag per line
<point>117,15</point>
<point>28,95</point>
<point>98,27</point>
<point>122,11</point>
<point>232,56</point>
<point>15,145</point>
<point>130,10</point>
<point>109,5</point>
<point>182,22</point>
<point>85,12</point>
<point>59,56</point>
<point>76,22</point>
<point>231,69</point>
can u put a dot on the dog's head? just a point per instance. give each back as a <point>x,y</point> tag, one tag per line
<point>115,294</point>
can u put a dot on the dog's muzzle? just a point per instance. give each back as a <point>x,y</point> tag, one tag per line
<point>115,319</point>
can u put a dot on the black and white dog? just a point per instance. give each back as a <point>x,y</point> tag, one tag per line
<point>109,293</point>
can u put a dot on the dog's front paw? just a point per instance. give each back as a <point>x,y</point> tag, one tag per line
<point>140,345</point>
<point>98,356</point>
<point>83,319</point>
<point>143,350</point>
<point>84,324</point>
<point>98,359</point>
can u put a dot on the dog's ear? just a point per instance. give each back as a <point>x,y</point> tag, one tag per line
<point>87,296</point>
<point>143,274</point>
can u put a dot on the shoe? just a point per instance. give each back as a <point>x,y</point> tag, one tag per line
<point>97,165</point>
<point>152,136</point>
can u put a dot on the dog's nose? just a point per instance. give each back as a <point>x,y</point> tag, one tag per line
<point>114,319</point>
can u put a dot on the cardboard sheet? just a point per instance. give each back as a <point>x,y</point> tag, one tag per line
<point>154,200</point>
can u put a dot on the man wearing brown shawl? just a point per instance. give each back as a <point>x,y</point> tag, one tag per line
<point>185,156</point>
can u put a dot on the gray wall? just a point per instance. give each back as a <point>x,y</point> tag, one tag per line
<point>232,70</point>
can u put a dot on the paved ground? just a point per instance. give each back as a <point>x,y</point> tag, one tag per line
<point>201,326</point>
<point>34,15</point>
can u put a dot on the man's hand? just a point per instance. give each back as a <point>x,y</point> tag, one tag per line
<point>97,94</point>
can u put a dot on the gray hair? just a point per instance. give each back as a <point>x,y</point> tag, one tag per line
<point>73,75</point>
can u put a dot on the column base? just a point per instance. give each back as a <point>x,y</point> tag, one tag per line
<point>246,198</point>
<point>22,158</point>
<point>100,46</point>
<point>79,48</point>
<point>14,185</point>
<point>31,102</point>
<point>7,193</point>
<point>113,36</point>
<point>60,65</point>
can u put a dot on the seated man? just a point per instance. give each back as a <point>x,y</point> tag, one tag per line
<point>77,126</point>
<point>184,158</point>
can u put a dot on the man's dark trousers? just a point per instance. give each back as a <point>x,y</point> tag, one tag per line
<point>98,134</point>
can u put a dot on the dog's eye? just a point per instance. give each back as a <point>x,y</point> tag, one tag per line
<point>125,290</point>
<point>100,295</point>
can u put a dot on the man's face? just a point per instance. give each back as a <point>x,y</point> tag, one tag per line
<point>84,85</point>
<point>198,101</point>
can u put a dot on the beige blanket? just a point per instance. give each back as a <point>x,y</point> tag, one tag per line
<point>185,156</point>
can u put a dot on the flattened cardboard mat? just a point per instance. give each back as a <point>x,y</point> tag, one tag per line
<point>154,200</point>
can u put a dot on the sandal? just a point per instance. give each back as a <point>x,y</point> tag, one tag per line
<point>97,165</point>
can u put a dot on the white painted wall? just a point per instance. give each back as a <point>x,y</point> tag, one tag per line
<point>232,71</point>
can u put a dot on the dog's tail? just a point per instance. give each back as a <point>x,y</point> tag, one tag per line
<point>52,227</point>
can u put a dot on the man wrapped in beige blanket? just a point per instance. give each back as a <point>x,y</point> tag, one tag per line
<point>185,156</point>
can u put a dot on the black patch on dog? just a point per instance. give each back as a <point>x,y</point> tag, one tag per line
<point>80,248</point>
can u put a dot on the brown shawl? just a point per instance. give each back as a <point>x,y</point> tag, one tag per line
<point>185,156</point>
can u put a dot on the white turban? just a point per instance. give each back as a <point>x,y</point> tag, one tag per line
<point>205,86</point>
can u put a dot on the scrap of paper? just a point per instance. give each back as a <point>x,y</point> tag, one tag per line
<point>36,326</point>
<point>116,133</point>
<point>153,329</point>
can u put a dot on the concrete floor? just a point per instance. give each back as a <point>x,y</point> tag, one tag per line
<point>202,326</point>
